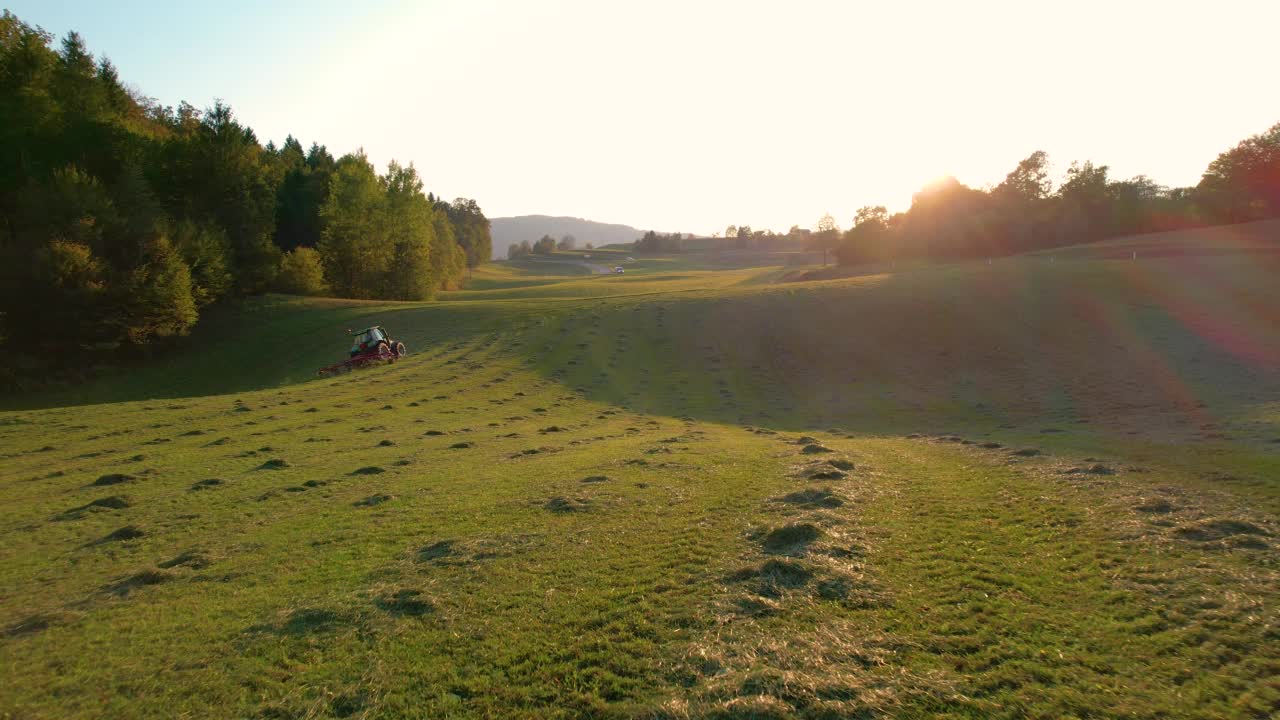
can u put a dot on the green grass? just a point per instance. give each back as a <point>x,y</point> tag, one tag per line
<point>681,492</point>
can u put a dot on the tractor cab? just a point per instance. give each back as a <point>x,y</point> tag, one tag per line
<point>368,341</point>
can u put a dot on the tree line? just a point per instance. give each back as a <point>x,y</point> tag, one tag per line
<point>544,246</point>
<point>948,220</point>
<point>735,237</point>
<point>652,243</point>
<point>122,219</point>
<point>1025,211</point>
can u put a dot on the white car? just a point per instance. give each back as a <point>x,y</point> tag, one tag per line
<point>618,270</point>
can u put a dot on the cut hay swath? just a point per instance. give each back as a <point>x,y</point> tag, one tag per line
<point>358,361</point>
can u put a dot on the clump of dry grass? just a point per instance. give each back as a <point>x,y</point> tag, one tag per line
<point>835,669</point>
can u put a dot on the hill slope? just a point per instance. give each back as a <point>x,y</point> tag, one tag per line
<point>509,231</point>
<point>1252,238</point>
<point>1032,488</point>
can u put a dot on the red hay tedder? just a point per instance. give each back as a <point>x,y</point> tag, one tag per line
<point>372,345</point>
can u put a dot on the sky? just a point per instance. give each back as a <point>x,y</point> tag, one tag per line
<point>691,115</point>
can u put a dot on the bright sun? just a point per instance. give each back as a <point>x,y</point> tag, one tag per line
<point>938,181</point>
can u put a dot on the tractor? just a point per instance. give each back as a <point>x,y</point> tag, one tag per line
<point>374,340</point>
<point>371,345</point>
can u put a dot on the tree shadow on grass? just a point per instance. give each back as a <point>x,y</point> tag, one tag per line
<point>225,354</point>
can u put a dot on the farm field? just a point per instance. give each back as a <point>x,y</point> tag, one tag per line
<point>1048,486</point>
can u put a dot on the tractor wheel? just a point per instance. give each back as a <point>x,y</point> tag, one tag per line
<point>400,349</point>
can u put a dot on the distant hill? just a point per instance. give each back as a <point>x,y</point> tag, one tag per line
<point>512,230</point>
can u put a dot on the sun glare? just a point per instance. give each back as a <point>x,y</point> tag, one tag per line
<point>576,359</point>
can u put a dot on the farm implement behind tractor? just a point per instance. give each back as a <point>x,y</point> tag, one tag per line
<point>372,345</point>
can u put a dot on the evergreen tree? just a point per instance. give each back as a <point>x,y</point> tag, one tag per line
<point>121,218</point>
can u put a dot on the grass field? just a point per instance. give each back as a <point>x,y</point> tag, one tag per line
<point>1048,486</point>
